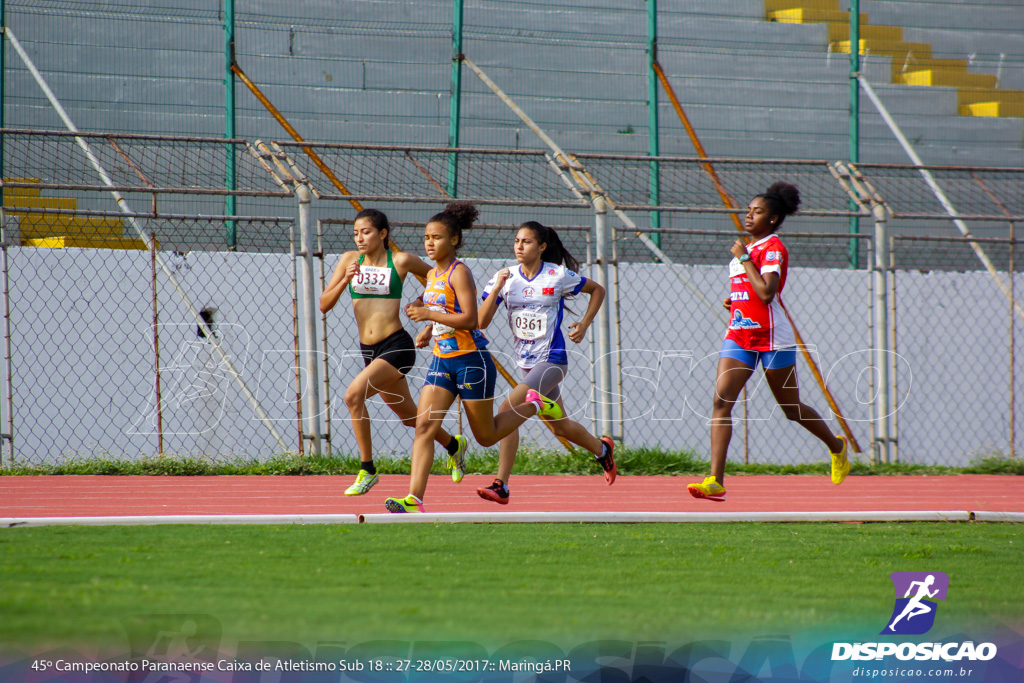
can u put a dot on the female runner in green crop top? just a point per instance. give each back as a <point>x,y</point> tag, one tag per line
<point>374,276</point>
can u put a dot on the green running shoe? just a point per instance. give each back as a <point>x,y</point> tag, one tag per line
<point>364,482</point>
<point>457,463</point>
<point>408,504</point>
<point>548,408</point>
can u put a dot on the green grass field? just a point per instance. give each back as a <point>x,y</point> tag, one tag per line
<point>79,585</point>
<point>529,460</point>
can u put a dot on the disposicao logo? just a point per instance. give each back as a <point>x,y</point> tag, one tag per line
<point>914,614</point>
<point>916,595</point>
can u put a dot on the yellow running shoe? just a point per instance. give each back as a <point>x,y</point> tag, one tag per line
<point>840,463</point>
<point>408,504</point>
<point>708,489</point>
<point>457,463</point>
<point>364,482</point>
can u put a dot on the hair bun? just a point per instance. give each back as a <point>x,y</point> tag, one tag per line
<point>463,212</point>
<point>787,194</point>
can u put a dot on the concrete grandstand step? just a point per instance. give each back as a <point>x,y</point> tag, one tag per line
<point>840,30</point>
<point>811,66</point>
<point>731,8</point>
<point>968,96</point>
<point>983,47</point>
<point>83,242</point>
<point>827,97</point>
<point>812,15</point>
<point>38,202</point>
<point>946,76</point>
<point>41,226</point>
<point>897,49</point>
<point>19,192</point>
<point>779,5</point>
<point>967,15</point>
<point>993,109</point>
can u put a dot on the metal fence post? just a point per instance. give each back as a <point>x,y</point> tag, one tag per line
<point>230,180</point>
<point>652,116</point>
<point>881,332</point>
<point>604,330</point>
<point>7,401</point>
<point>323,340</point>
<point>3,77</point>
<point>1013,350</point>
<point>455,99</point>
<point>312,388</point>
<point>894,436</point>
<point>854,121</point>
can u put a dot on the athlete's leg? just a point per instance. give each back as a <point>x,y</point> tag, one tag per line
<point>574,432</point>
<point>546,378</point>
<point>732,376</point>
<point>399,399</point>
<point>488,428</point>
<point>783,383</point>
<point>509,445</point>
<point>371,380</point>
<point>434,404</point>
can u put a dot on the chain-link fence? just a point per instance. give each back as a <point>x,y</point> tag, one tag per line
<point>107,356</point>
<point>957,339</point>
<point>199,345</point>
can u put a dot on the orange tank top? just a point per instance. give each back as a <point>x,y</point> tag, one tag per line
<point>439,295</point>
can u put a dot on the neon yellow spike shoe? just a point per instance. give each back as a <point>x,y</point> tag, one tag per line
<point>364,482</point>
<point>546,407</point>
<point>457,463</point>
<point>840,463</point>
<point>709,489</point>
<point>408,504</point>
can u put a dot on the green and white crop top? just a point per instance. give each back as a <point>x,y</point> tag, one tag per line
<point>376,281</point>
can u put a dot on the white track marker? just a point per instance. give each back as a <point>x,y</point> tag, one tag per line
<point>646,517</point>
<point>13,522</point>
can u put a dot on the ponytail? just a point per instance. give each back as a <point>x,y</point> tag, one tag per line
<point>555,251</point>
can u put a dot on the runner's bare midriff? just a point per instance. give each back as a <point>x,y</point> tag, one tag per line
<point>377,319</point>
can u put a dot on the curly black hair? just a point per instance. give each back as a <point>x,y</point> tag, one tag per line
<point>783,200</point>
<point>456,217</point>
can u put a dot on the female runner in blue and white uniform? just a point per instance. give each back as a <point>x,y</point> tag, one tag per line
<point>534,294</point>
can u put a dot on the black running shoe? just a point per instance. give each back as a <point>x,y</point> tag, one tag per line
<point>496,492</point>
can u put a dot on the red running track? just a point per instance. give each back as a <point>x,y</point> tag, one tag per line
<point>95,496</point>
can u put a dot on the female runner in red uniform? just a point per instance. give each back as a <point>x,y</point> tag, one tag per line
<point>760,331</point>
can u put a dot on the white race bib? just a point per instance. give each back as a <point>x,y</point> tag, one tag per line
<point>529,325</point>
<point>440,329</point>
<point>372,281</point>
<point>736,268</point>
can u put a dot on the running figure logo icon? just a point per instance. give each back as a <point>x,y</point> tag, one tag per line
<point>914,612</point>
